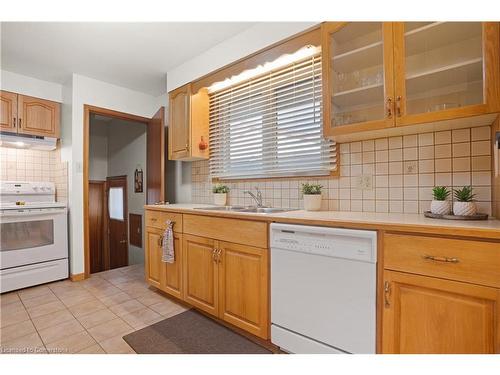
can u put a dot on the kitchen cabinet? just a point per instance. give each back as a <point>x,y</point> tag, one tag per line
<point>152,259</point>
<point>8,111</point>
<point>188,124</point>
<point>440,295</point>
<point>382,75</point>
<point>427,315</point>
<point>28,115</point>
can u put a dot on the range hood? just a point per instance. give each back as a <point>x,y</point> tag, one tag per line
<point>25,141</point>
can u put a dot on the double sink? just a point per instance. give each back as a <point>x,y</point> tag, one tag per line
<point>252,209</point>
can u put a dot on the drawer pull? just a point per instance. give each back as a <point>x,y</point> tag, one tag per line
<point>154,219</point>
<point>440,259</point>
<point>387,294</point>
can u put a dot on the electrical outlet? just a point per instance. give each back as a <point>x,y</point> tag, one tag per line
<point>364,182</point>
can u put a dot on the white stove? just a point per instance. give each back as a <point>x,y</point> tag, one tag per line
<point>34,239</point>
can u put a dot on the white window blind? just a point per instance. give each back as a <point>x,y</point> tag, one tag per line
<point>271,126</point>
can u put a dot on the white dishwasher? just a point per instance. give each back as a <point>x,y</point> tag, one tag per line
<point>323,289</point>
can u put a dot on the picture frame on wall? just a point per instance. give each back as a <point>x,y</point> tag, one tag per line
<point>138,180</point>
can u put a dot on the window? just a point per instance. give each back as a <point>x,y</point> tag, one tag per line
<point>271,126</point>
<point>116,203</point>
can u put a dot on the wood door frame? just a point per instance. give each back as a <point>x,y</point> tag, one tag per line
<point>87,111</point>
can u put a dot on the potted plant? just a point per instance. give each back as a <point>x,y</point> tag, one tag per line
<point>464,204</point>
<point>312,196</point>
<point>440,205</point>
<point>220,194</point>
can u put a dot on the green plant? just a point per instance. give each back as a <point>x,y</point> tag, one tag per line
<point>311,189</point>
<point>440,193</point>
<point>219,188</point>
<point>464,194</point>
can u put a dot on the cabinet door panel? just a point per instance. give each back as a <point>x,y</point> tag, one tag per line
<point>8,111</point>
<point>173,271</point>
<point>38,116</point>
<point>243,281</point>
<point>179,123</point>
<point>358,76</point>
<point>200,273</point>
<point>153,257</point>
<point>430,315</point>
<point>445,70</point>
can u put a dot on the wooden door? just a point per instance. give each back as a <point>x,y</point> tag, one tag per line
<point>179,124</point>
<point>117,221</point>
<point>243,285</point>
<point>172,281</point>
<point>38,116</point>
<point>200,273</point>
<point>358,76</point>
<point>8,111</point>
<point>155,181</point>
<point>445,70</point>
<point>97,212</point>
<point>430,315</point>
<point>152,258</point>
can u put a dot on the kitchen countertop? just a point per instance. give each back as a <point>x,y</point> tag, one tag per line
<point>363,220</point>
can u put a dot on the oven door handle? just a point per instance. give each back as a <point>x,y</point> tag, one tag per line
<point>28,213</point>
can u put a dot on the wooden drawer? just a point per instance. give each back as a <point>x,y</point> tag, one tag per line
<point>245,232</point>
<point>471,261</point>
<point>157,219</point>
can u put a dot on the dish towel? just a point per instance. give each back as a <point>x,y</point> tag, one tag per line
<point>167,244</point>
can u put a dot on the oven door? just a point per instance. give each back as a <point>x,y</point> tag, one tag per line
<point>30,236</point>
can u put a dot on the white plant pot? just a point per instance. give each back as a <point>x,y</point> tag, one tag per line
<point>312,202</point>
<point>220,199</point>
<point>441,207</point>
<point>464,208</point>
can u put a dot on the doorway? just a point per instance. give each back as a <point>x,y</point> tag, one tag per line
<point>123,170</point>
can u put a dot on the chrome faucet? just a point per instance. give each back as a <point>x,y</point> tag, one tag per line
<point>256,197</point>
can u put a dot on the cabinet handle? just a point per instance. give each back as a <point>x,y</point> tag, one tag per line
<point>13,122</point>
<point>219,251</point>
<point>388,107</point>
<point>387,294</point>
<point>214,255</point>
<point>440,259</point>
<point>154,219</point>
<point>160,241</point>
<point>20,123</point>
<point>398,105</point>
<point>187,147</point>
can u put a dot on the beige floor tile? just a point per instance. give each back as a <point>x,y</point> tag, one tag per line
<point>110,329</point>
<point>106,291</point>
<point>57,332</point>
<point>52,319</point>
<point>87,307</point>
<point>96,318</point>
<point>8,298</point>
<point>126,307</point>
<point>15,331</point>
<point>151,298</point>
<point>116,345</point>
<point>12,314</point>
<point>72,299</point>
<point>46,308</point>
<point>71,344</point>
<point>40,300</point>
<point>94,349</point>
<point>34,292</point>
<point>167,308</point>
<point>29,344</point>
<point>141,318</point>
<point>115,299</point>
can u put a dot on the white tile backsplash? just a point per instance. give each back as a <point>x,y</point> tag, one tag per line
<point>404,169</point>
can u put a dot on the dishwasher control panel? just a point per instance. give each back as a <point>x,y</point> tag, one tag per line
<point>331,242</point>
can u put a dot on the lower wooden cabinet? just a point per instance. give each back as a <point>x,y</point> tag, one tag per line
<point>152,259</point>
<point>200,273</point>
<point>430,315</point>
<point>172,282</point>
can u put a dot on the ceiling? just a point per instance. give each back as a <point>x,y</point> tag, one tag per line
<point>132,55</point>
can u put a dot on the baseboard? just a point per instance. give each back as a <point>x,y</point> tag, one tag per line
<point>77,277</point>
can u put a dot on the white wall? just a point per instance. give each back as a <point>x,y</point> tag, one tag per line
<point>126,151</point>
<point>100,94</point>
<point>98,150</point>
<point>243,44</point>
<point>30,86</point>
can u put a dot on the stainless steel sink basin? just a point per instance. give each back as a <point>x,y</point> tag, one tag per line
<point>257,210</point>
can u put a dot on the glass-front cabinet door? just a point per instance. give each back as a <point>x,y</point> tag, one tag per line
<point>445,70</point>
<point>358,76</point>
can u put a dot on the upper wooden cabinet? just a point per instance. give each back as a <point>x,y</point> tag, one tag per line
<point>8,111</point>
<point>384,75</point>
<point>188,125</point>
<point>28,115</point>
